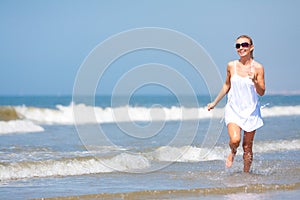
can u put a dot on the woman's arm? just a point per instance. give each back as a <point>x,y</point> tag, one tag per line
<point>223,91</point>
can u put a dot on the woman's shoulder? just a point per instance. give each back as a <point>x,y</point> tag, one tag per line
<point>230,64</point>
<point>258,65</point>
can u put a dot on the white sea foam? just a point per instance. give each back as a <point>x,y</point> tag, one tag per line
<point>84,162</point>
<point>31,118</point>
<point>19,126</point>
<point>64,114</point>
<point>187,154</point>
<point>280,111</point>
<point>197,154</point>
<point>72,166</point>
<point>274,146</point>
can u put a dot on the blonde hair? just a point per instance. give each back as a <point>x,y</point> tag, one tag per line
<point>251,42</point>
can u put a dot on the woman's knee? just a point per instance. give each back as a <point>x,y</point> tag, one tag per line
<point>234,132</point>
<point>235,140</point>
<point>247,148</point>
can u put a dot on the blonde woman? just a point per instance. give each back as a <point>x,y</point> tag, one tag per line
<point>244,82</point>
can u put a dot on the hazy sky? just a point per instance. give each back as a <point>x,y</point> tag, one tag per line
<point>43,43</point>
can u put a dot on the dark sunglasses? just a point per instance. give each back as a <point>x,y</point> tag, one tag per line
<point>244,44</point>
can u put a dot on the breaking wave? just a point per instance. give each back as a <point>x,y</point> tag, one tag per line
<point>19,126</point>
<point>71,166</point>
<point>30,119</point>
<point>83,163</point>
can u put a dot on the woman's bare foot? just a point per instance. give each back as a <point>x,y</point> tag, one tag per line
<point>230,159</point>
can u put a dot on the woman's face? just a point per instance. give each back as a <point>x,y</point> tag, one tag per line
<point>244,47</point>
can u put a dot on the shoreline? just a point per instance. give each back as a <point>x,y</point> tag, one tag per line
<point>187,193</point>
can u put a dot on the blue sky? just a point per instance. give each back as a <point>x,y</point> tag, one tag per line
<point>43,43</point>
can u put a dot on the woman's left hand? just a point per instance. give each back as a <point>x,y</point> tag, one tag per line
<point>252,75</point>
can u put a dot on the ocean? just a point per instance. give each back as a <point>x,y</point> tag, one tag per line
<point>152,147</point>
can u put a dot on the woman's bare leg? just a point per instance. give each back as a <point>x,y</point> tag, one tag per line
<point>247,146</point>
<point>234,132</point>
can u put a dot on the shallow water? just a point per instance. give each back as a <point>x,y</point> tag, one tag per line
<point>54,162</point>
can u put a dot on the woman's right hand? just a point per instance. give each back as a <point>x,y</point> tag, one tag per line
<point>211,106</point>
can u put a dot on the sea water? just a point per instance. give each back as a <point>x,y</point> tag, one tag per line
<point>44,151</point>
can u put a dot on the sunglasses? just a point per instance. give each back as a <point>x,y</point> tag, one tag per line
<point>244,44</point>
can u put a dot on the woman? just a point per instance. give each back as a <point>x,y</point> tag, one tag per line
<point>244,80</point>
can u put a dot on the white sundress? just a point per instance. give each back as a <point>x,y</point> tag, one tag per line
<point>242,106</point>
